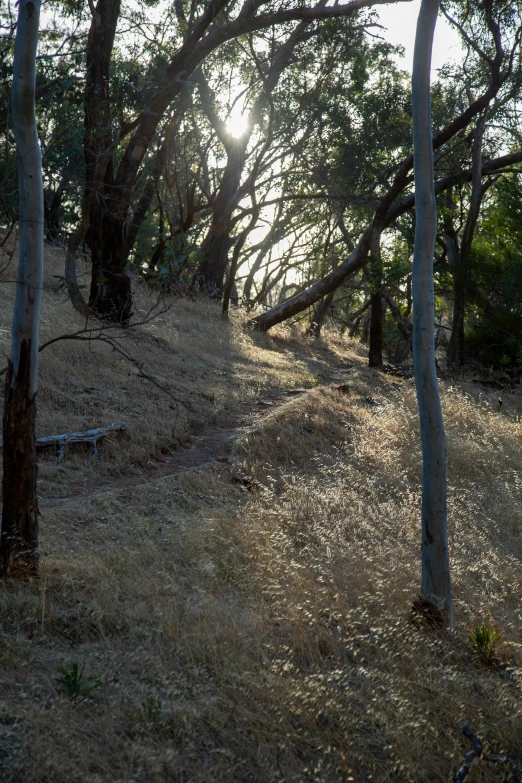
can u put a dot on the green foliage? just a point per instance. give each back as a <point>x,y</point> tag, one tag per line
<point>174,272</point>
<point>495,281</point>
<point>73,682</point>
<point>485,639</point>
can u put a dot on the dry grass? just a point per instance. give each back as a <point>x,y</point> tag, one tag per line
<point>263,635</point>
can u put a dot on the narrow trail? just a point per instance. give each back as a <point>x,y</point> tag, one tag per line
<point>213,443</point>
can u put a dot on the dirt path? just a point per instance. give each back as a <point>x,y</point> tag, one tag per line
<point>212,444</point>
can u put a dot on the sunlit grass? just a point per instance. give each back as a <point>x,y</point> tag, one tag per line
<point>259,630</point>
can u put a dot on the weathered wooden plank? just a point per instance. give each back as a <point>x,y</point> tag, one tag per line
<point>89,436</point>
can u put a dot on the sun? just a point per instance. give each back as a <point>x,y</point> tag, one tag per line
<point>237,124</point>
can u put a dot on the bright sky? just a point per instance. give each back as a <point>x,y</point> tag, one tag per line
<point>401,21</point>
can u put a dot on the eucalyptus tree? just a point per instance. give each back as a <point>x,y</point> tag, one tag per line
<point>19,535</point>
<point>319,174</point>
<point>274,160</point>
<point>209,25</point>
<point>498,81</point>
<point>435,577</point>
<point>59,115</point>
<point>214,253</point>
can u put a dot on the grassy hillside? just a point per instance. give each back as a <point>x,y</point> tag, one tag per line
<point>238,567</point>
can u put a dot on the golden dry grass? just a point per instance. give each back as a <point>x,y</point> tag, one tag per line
<point>262,635</point>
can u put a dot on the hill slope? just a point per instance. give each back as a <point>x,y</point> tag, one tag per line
<point>238,567</point>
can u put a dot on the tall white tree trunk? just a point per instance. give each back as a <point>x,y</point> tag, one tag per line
<point>435,583</point>
<point>19,537</point>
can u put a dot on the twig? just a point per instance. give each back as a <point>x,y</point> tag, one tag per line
<point>477,752</point>
<point>474,753</point>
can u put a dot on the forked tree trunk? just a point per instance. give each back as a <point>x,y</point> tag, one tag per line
<point>19,537</point>
<point>435,582</point>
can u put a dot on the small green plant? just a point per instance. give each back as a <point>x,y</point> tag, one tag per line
<point>152,708</point>
<point>310,382</point>
<point>485,640</point>
<point>74,683</point>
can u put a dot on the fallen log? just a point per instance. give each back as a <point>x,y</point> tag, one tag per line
<point>89,436</point>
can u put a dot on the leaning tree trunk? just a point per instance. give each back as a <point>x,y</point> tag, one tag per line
<point>435,581</point>
<point>19,537</point>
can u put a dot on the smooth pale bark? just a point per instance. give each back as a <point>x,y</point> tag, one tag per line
<point>435,580</point>
<point>19,537</point>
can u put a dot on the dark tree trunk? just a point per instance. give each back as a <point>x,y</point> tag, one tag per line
<point>210,274</point>
<point>321,311</point>
<point>110,293</point>
<point>211,271</point>
<point>53,211</point>
<point>376,330</point>
<point>460,256</point>
<point>19,541</point>
<point>456,353</point>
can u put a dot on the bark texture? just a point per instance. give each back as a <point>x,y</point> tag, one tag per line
<point>435,580</point>
<point>110,292</point>
<point>19,541</point>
